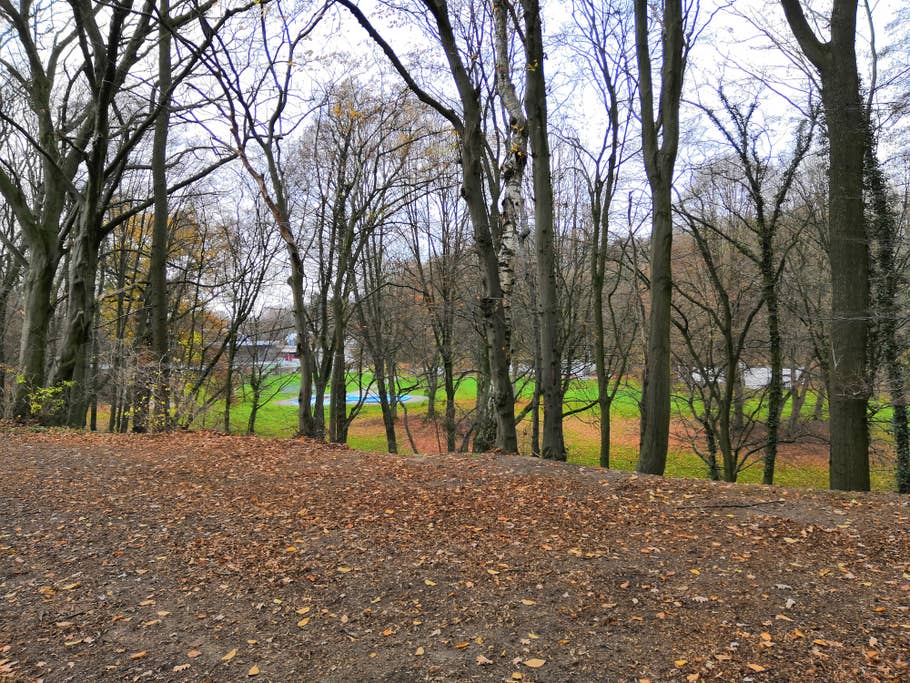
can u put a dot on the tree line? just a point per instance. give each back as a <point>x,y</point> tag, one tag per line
<point>527,198</point>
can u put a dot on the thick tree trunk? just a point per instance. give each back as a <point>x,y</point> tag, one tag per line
<point>848,248</point>
<point>71,366</point>
<point>655,416</point>
<point>848,253</point>
<point>39,284</point>
<point>660,139</point>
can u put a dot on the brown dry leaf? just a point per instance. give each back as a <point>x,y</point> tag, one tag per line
<point>483,661</point>
<point>254,671</point>
<point>139,655</point>
<point>192,654</point>
<point>534,662</point>
<point>344,570</point>
<point>230,655</point>
<point>692,678</point>
<point>388,632</point>
<point>303,610</point>
<point>680,663</point>
<point>303,622</point>
<point>146,603</point>
<point>463,644</point>
<point>180,667</point>
<point>419,651</point>
<point>757,668</point>
<point>429,583</point>
<point>525,601</point>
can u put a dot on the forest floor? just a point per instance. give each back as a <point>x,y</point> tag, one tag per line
<point>199,557</point>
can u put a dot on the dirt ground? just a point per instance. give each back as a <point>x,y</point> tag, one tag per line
<point>197,557</point>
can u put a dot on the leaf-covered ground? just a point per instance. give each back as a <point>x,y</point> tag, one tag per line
<point>197,557</point>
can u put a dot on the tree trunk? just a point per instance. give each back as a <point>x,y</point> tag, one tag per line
<point>39,284</point>
<point>775,385</point>
<point>432,387</point>
<point>158,298</point>
<point>660,159</point>
<point>338,398</point>
<point>70,369</point>
<point>553,444</point>
<point>884,224</point>
<point>848,249</point>
<point>448,376</point>
<point>229,382</point>
<point>388,418</point>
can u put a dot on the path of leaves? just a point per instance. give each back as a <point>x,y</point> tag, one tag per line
<point>198,557</point>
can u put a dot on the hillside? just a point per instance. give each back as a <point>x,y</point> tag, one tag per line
<point>192,557</point>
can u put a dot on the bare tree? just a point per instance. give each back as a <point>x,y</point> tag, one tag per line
<point>468,124</point>
<point>660,142</point>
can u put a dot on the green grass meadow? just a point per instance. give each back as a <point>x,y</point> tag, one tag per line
<point>278,419</point>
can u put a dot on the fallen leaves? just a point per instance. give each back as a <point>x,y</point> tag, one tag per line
<point>230,655</point>
<point>493,536</point>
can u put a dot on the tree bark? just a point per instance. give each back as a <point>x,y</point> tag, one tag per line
<point>552,444</point>
<point>660,160</point>
<point>158,298</point>
<point>848,250</point>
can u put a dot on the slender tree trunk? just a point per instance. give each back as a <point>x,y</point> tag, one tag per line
<point>254,408</point>
<point>229,382</point>
<point>448,376</point>
<point>388,418</point>
<point>553,444</point>
<point>775,386</point>
<point>338,398</point>
<point>432,387</point>
<point>158,298</point>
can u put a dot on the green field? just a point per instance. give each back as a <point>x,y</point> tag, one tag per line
<point>581,432</point>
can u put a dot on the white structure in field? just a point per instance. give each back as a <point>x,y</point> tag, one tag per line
<point>753,378</point>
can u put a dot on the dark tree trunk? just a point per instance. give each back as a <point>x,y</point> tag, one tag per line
<point>884,231</point>
<point>338,398</point>
<point>660,159</point>
<point>388,417</point>
<point>39,285</point>
<point>848,250</point>
<point>158,297</point>
<point>552,444</point>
